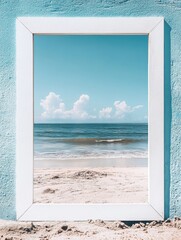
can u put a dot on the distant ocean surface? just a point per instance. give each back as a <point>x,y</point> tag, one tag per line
<point>90,141</point>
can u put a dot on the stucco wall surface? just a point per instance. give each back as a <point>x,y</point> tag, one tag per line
<point>169,9</point>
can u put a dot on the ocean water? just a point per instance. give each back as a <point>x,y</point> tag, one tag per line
<point>90,141</point>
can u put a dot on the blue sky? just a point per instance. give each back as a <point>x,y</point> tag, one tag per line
<point>90,78</point>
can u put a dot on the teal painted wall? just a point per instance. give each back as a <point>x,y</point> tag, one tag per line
<point>169,9</point>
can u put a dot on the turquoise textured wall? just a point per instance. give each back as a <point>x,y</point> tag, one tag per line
<point>169,9</point>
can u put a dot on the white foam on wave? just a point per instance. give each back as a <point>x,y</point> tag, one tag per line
<point>109,140</point>
<point>93,155</point>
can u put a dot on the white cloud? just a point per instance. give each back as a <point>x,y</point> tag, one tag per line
<point>137,107</point>
<point>122,108</point>
<point>105,112</point>
<point>54,107</point>
<point>78,108</point>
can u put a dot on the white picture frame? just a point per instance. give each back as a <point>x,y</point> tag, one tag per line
<point>26,27</point>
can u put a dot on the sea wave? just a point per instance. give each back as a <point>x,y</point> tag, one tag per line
<point>92,155</point>
<point>97,140</point>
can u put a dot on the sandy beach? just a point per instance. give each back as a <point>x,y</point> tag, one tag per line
<point>91,185</point>
<point>90,230</point>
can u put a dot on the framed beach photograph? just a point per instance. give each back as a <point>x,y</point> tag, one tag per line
<point>90,118</point>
